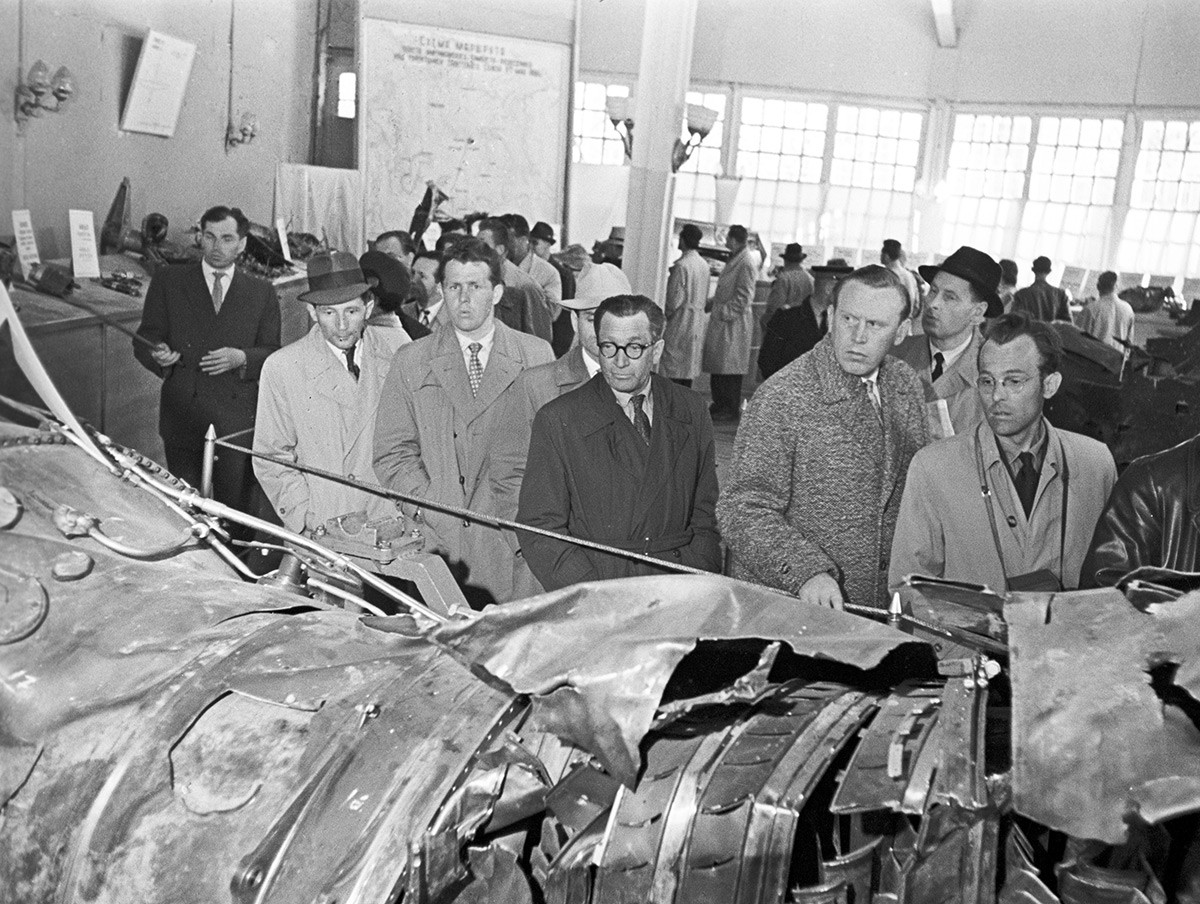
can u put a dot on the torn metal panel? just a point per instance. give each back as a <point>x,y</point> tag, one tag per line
<point>1093,742</point>
<point>596,657</point>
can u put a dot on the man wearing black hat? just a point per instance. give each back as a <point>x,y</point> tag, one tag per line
<point>962,293</point>
<point>1043,488</point>
<point>792,323</point>
<point>317,400</point>
<point>390,285</point>
<point>1042,301</point>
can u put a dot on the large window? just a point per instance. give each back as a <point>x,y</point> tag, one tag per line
<point>1159,235</point>
<point>1071,185</point>
<point>595,139</point>
<point>780,159</point>
<point>695,189</point>
<point>985,180</point>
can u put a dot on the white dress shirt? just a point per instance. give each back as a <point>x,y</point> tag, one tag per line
<point>340,354</point>
<point>484,353</point>
<point>949,356</point>
<point>625,400</point>
<point>210,272</point>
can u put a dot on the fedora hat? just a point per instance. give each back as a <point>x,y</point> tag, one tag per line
<point>794,253</point>
<point>543,232</point>
<point>977,268</point>
<point>334,277</point>
<point>573,257</point>
<point>385,274</point>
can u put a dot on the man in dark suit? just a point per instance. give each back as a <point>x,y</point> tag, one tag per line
<point>627,460</point>
<point>213,327</point>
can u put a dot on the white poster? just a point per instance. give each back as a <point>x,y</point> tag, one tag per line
<point>159,83</point>
<point>27,249</point>
<point>482,116</point>
<point>85,259</point>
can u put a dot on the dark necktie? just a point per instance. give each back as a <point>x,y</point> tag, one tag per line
<point>641,421</point>
<point>218,293</point>
<point>350,365</point>
<point>1026,481</point>
<point>938,361</point>
<point>872,389</point>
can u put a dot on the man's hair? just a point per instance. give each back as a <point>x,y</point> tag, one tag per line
<point>517,225</point>
<point>875,276</point>
<point>892,249</point>
<point>499,230</point>
<point>631,306</point>
<point>1106,282</point>
<point>472,250</point>
<point>738,232</point>
<point>1008,271</point>
<point>1042,264</point>
<point>447,240</point>
<point>426,255</point>
<point>221,212</point>
<point>407,245</point>
<point>1007,327</point>
<point>453,225</point>
<point>690,235</point>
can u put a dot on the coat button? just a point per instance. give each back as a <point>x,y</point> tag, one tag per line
<point>785,569</point>
<point>1012,520</point>
<point>675,552</point>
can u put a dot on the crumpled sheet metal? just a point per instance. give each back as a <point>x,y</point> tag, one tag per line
<point>596,657</point>
<point>1092,741</point>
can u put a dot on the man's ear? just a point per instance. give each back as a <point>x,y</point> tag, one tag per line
<point>903,331</point>
<point>497,293</point>
<point>312,312</point>
<point>369,307</point>
<point>1050,384</point>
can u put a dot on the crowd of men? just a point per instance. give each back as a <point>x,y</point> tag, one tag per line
<point>906,437</point>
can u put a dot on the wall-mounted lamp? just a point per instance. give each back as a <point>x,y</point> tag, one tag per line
<point>700,121</point>
<point>42,91</point>
<point>243,132</point>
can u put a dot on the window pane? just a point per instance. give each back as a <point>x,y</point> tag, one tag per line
<point>595,140</point>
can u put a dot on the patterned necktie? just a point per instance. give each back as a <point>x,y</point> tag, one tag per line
<point>350,365</point>
<point>1026,481</point>
<point>475,368</point>
<point>218,293</point>
<point>873,394</point>
<point>641,421</point>
<point>939,361</point>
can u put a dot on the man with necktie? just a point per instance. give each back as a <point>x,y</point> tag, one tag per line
<point>441,431</point>
<point>1013,502</point>
<point>317,400</point>
<point>212,327</point>
<point>819,460</point>
<point>627,459</point>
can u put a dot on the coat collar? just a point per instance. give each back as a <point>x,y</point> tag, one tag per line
<point>448,370</point>
<point>571,369</point>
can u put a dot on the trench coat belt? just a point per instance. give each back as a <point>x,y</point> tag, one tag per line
<point>649,545</point>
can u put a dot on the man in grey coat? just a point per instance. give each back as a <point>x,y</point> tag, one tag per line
<point>441,430</point>
<point>731,327</point>
<point>821,455</point>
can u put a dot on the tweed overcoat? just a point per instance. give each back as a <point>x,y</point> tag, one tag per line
<point>956,387</point>
<point>731,324</point>
<point>816,478</point>
<point>683,337</point>
<point>943,527</point>
<point>435,440</point>
<point>589,475</point>
<point>312,411</point>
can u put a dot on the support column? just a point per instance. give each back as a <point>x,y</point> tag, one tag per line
<point>659,106</point>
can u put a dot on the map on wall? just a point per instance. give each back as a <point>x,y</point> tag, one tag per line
<point>484,117</point>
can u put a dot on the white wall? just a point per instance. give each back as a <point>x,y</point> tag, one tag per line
<point>77,158</point>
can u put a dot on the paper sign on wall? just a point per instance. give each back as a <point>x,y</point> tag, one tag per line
<point>84,258</point>
<point>27,250</point>
<point>281,228</point>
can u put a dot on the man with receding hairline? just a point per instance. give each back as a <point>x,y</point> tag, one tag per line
<point>628,460</point>
<point>819,461</point>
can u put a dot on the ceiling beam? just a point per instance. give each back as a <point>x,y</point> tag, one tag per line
<point>943,20</point>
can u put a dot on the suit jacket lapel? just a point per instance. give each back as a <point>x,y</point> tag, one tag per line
<point>503,366</point>
<point>376,360</point>
<point>601,419</point>
<point>668,438</point>
<point>331,381</point>
<point>200,299</point>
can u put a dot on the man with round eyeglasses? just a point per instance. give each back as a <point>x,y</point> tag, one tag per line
<point>1013,503</point>
<point>627,460</point>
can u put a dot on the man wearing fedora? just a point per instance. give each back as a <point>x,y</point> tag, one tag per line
<point>213,326</point>
<point>316,405</point>
<point>795,319</point>
<point>962,294</point>
<point>1040,300</point>
<point>442,431</point>
<point>390,284</point>
<point>687,293</point>
<point>1013,502</point>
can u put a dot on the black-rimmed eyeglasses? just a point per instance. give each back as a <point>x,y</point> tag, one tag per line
<point>632,350</point>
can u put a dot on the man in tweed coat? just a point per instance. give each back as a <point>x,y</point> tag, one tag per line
<point>821,455</point>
